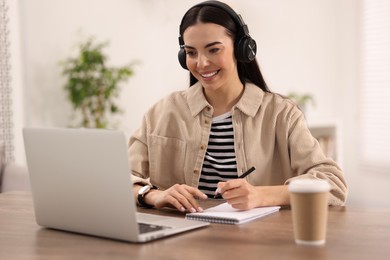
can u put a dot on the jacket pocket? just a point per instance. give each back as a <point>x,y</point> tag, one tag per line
<point>166,160</point>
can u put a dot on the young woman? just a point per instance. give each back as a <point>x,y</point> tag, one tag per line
<point>197,142</point>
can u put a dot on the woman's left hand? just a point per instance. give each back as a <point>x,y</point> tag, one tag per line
<point>242,195</point>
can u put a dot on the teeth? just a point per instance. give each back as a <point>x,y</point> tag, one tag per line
<point>209,74</point>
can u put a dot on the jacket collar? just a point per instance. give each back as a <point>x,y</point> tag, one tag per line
<point>249,102</point>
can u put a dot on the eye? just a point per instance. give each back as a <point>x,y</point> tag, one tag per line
<point>191,53</point>
<point>214,50</point>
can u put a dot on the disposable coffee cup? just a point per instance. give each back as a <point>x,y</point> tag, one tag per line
<point>309,206</point>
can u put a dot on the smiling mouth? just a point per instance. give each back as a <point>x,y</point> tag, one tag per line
<point>209,75</point>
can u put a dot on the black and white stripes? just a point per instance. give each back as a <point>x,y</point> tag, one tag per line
<point>220,160</point>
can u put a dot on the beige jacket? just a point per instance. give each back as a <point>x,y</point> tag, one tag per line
<point>270,133</point>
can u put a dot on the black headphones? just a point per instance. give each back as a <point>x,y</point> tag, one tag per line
<point>245,47</point>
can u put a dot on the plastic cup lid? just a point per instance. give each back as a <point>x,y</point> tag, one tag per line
<point>309,185</point>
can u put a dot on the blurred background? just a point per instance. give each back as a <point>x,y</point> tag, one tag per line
<point>336,52</point>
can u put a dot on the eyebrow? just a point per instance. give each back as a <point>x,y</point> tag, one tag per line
<point>206,46</point>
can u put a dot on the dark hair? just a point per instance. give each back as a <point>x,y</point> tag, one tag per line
<point>247,72</point>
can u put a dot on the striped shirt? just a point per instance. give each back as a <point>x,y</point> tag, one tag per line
<point>220,160</point>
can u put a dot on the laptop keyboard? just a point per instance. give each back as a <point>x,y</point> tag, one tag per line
<point>145,228</point>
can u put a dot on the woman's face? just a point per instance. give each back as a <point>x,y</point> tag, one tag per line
<point>210,55</point>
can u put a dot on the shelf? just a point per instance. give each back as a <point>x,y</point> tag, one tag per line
<point>328,138</point>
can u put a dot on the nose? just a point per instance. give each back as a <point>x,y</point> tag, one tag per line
<point>203,61</point>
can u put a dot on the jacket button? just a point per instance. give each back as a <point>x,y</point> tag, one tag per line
<point>196,171</point>
<point>206,121</point>
<point>202,147</point>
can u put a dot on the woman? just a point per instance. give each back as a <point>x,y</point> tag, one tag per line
<point>197,142</point>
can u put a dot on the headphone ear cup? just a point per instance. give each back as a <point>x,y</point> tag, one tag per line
<point>245,50</point>
<point>182,58</point>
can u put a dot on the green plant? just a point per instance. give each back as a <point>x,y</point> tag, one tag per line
<point>92,86</point>
<point>301,99</point>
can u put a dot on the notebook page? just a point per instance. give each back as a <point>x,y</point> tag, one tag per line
<point>226,214</point>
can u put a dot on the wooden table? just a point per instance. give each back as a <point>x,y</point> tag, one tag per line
<point>353,233</point>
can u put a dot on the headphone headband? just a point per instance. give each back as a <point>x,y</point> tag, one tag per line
<point>242,27</point>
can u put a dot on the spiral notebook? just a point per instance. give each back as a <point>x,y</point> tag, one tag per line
<point>226,214</point>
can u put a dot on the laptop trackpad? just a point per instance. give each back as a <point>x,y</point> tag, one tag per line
<point>167,222</point>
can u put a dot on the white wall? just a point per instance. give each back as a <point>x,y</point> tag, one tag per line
<point>137,30</point>
<point>304,45</point>
<point>299,49</point>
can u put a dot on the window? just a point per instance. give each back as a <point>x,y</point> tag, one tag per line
<point>375,91</point>
<point>6,124</point>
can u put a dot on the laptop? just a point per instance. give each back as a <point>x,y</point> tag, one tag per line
<point>80,182</point>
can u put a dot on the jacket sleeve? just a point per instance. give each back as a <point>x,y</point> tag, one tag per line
<point>309,161</point>
<point>138,155</point>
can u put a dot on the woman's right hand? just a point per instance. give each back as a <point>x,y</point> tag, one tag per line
<point>179,196</point>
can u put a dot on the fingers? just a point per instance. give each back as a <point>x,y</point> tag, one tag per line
<point>196,193</point>
<point>231,188</point>
<point>183,198</point>
<point>239,194</point>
